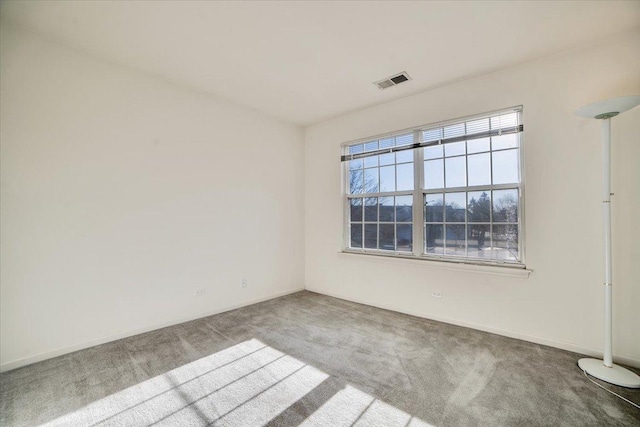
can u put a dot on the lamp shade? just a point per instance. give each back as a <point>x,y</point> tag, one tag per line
<point>608,108</point>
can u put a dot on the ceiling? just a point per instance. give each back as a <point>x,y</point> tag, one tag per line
<point>304,62</point>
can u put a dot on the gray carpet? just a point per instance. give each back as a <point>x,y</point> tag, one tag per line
<point>312,360</point>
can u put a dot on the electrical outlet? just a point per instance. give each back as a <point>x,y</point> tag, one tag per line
<point>199,292</point>
<point>244,283</point>
<point>437,294</point>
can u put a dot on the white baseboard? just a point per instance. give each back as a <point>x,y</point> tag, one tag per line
<point>13,364</point>
<point>7,366</point>
<point>624,360</point>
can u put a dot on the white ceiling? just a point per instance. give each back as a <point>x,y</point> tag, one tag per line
<point>304,62</point>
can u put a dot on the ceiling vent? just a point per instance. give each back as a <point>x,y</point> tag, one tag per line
<point>393,80</point>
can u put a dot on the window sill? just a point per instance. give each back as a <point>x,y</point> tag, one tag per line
<point>499,270</point>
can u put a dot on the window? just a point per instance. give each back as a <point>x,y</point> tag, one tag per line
<point>450,191</point>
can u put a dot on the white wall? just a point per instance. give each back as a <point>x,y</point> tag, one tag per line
<point>123,193</point>
<point>561,302</point>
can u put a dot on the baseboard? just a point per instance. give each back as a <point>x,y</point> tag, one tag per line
<point>623,360</point>
<point>7,366</point>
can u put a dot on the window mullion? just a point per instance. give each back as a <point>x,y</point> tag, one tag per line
<point>520,226</point>
<point>418,204</point>
<point>491,192</point>
<point>346,232</point>
<point>466,196</point>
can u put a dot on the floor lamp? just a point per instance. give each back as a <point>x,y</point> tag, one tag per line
<point>605,369</point>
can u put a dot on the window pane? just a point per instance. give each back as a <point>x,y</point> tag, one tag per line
<point>479,206</point>
<point>505,242</point>
<point>454,149</point>
<point>406,139</point>
<point>387,178</point>
<point>405,156</point>
<point>404,208</point>
<point>371,180</point>
<point>455,239</point>
<point>477,126</point>
<point>455,204</point>
<point>386,209</point>
<point>371,236</point>
<point>432,134</point>
<point>433,174</point>
<point>386,143</point>
<point>356,210</point>
<point>356,235</point>
<point>478,238</point>
<point>356,183</point>
<point>371,146</point>
<point>433,208</point>
<point>434,239</point>
<point>404,237</point>
<point>505,167</point>
<point>371,209</point>
<point>456,172</point>
<point>477,145</point>
<point>371,161</point>
<point>433,152</point>
<point>505,206</point>
<point>404,176</point>
<point>355,164</point>
<point>355,149</point>
<point>479,169</point>
<point>505,120</point>
<point>454,130</point>
<point>387,238</point>
<point>387,159</point>
<point>504,141</point>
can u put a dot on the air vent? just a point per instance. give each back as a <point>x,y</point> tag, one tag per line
<point>393,80</point>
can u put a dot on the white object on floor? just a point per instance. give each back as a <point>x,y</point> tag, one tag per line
<point>614,374</point>
<point>605,369</point>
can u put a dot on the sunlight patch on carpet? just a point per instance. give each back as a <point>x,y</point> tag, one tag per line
<point>352,407</point>
<point>248,384</point>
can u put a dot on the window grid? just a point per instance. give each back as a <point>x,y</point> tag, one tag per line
<point>471,230</point>
<point>398,219</point>
<point>467,223</point>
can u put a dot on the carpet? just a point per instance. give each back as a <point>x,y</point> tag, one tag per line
<point>248,384</point>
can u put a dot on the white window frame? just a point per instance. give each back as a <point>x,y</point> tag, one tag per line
<point>418,193</point>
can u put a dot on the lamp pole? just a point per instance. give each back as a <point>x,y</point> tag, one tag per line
<point>606,216</point>
<point>605,369</point>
